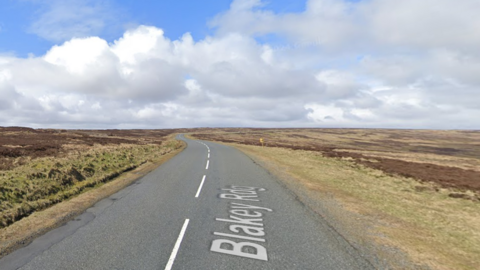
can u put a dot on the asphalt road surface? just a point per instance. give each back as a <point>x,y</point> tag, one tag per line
<point>209,207</point>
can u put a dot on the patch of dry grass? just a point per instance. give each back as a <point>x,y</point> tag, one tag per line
<point>22,232</point>
<point>450,158</point>
<point>442,160</point>
<point>420,219</point>
<point>454,143</point>
<point>43,182</point>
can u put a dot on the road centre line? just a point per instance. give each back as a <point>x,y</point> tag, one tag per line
<point>208,162</point>
<point>200,187</point>
<point>177,245</point>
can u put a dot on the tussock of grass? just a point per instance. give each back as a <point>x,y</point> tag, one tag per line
<point>442,160</point>
<point>420,219</point>
<point>43,182</point>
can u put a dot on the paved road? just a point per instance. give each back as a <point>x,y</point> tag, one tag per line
<point>210,207</point>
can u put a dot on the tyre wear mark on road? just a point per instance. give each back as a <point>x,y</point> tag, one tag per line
<point>247,220</point>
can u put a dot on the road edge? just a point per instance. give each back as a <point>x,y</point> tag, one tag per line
<point>41,222</point>
<point>379,256</point>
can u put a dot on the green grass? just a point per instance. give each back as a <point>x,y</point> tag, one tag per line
<point>420,219</point>
<point>43,182</point>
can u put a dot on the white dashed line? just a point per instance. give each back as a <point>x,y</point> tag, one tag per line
<point>208,155</point>
<point>208,162</point>
<point>200,187</point>
<point>177,246</point>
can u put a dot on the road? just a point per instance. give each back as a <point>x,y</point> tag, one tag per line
<point>209,207</point>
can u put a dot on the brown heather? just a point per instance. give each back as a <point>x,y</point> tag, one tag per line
<point>392,192</point>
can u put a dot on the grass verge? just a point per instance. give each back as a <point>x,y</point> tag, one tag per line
<point>23,231</point>
<point>398,215</point>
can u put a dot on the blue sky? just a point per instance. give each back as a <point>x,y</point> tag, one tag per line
<point>254,63</point>
<point>174,17</point>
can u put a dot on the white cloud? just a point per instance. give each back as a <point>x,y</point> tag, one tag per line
<point>78,55</point>
<point>424,24</point>
<point>141,43</point>
<point>378,63</point>
<point>376,23</point>
<point>168,83</point>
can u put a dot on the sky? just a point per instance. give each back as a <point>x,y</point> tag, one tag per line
<point>101,64</point>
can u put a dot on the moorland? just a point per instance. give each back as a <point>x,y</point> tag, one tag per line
<point>42,167</point>
<point>414,191</point>
<point>410,199</point>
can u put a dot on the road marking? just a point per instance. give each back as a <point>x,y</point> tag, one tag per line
<point>241,193</point>
<point>208,155</point>
<point>242,219</point>
<point>200,187</point>
<point>239,236</point>
<point>177,245</point>
<point>208,162</point>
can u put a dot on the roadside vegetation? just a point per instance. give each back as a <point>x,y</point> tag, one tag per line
<point>40,168</point>
<point>46,181</point>
<point>416,192</point>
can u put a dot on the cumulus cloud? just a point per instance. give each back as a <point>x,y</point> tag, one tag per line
<point>144,79</point>
<point>378,63</point>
